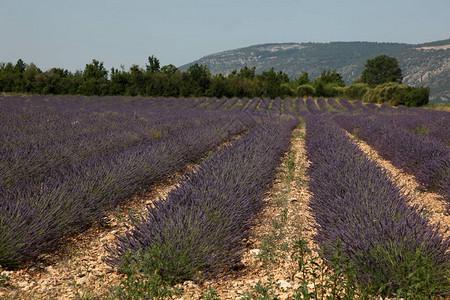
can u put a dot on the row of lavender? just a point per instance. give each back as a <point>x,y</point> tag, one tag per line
<point>42,135</point>
<point>415,140</point>
<point>388,245</point>
<point>434,123</point>
<point>274,107</point>
<point>57,180</point>
<point>201,227</point>
<point>426,158</point>
<point>430,123</point>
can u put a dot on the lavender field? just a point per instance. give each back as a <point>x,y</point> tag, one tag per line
<point>67,162</point>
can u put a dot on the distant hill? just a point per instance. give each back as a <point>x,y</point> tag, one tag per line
<point>427,64</point>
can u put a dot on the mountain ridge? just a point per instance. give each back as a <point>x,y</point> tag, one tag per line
<point>426,64</point>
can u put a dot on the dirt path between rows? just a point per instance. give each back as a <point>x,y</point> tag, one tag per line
<point>435,209</point>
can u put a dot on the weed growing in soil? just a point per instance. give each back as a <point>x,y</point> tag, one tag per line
<point>4,280</point>
<point>139,285</point>
<point>270,248</point>
<point>260,291</point>
<point>290,166</point>
<point>211,294</point>
<point>337,279</point>
<point>319,280</point>
<point>143,281</point>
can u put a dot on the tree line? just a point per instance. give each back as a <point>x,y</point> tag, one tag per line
<point>380,82</point>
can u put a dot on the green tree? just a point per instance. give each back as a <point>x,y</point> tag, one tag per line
<point>170,70</point>
<point>196,80</point>
<point>326,83</point>
<point>120,80</point>
<point>95,79</point>
<point>138,83</point>
<point>95,70</point>
<point>381,69</point>
<point>272,83</point>
<point>302,79</point>
<point>172,80</point>
<point>332,77</point>
<point>20,66</point>
<point>153,65</point>
<point>30,77</point>
<point>247,72</point>
<point>220,87</point>
<point>7,77</point>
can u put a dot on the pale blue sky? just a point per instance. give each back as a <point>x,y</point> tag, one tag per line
<point>70,33</point>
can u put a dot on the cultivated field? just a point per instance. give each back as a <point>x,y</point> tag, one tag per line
<point>206,198</point>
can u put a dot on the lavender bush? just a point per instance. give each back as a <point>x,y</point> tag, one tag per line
<point>312,106</point>
<point>275,106</point>
<point>288,108</point>
<point>253,104</point>
<point>323,105</point>
<point>361,214</point>
<point>335,105</point>
<point>426,158</point>
<point>300,104</point>
<point>347,105</point>
<point>264,105</point>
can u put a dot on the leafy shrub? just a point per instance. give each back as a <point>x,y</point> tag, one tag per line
<point>326,89</point>
<point>305,90</point>
<point>412,97</point>
<point>389,92</point>
<point>397,94</point>
<point>371,96</point>
<point>340,91</point>
<point>140,283</point>
<point>357,90</point>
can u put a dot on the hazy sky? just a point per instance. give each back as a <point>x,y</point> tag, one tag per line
<point>70,33</point>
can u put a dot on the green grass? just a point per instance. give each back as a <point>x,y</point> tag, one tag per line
<point>438,106</point>
<point>260,291</point>
<point>211,294</point>
<point>4,280</point>
<point>141,284</point>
